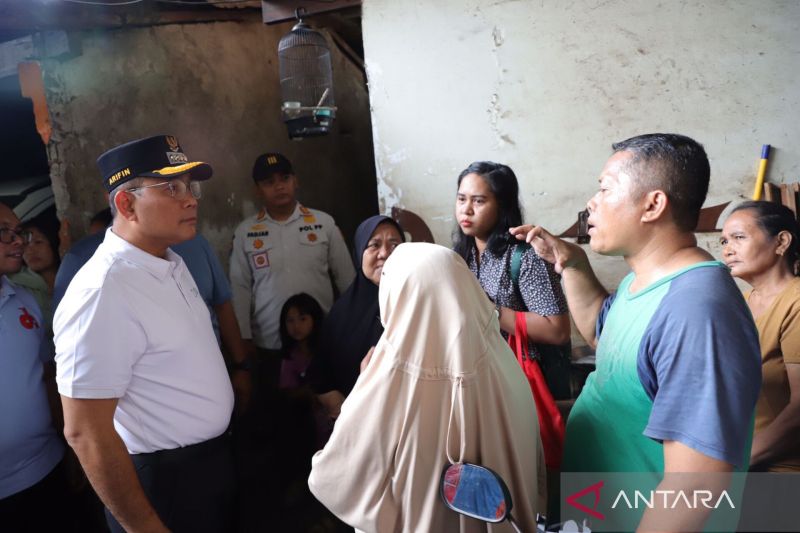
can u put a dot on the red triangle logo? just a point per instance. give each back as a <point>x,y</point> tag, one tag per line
<point>572,499</point>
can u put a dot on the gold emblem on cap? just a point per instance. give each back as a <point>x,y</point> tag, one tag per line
<point>172,142</point>
<point>271,160</point>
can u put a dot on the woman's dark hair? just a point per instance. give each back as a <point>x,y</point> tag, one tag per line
<point>306,305</point>
<point>48,225</point>
<point>503,183</point>
<point>774,218</point>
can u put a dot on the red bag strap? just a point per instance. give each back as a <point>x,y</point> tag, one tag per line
<point>521,336</point>
<point>551,425</point>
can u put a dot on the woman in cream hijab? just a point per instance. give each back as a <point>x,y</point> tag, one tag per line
<point>442,386</point>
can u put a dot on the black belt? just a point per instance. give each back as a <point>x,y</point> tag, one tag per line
<point>191,453</point>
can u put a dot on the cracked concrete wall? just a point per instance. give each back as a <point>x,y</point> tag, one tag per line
<point>215,86</point>
<point>547,86</point>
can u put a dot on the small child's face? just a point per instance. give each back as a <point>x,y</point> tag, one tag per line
<point>298,325</point>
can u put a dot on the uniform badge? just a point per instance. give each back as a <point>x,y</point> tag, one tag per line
<point>258,227</point>
<point>175,156</point>
<point>172,142</point>
<point>308,216</point>
<point>27,320</point>
<point>258,244</point>
<point>260,260</point>
<point>312,237</point>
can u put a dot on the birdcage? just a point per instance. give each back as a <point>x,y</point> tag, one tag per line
<point>306,82</point>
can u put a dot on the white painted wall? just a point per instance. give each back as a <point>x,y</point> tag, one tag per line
<point>546,87</point>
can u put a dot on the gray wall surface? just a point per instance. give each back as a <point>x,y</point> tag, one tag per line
<point>215,86</point>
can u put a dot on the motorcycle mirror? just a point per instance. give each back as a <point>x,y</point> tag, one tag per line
<point>475,491</point>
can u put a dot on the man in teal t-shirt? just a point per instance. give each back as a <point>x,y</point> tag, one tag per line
<point>678,364</point>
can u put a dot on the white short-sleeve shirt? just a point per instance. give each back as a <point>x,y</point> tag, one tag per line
<point>133,326</point>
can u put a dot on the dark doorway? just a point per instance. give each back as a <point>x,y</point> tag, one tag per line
<point>24,173</point>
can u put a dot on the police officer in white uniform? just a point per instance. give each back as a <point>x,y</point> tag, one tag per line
<point>283,250</point>
<point>146,395</point>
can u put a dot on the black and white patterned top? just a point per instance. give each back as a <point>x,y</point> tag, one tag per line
<point>539,286</point>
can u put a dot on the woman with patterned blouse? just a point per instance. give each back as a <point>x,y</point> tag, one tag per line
<point>487,205</point>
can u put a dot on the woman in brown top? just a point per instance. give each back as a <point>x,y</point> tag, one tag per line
<point>760,246</point>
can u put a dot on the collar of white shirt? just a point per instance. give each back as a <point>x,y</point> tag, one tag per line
<point>297,213</point>
<point>6,289</point>
<point>156,266</point>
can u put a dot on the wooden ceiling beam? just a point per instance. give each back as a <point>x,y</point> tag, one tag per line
<point>274,12</point>
<point>34,16</point>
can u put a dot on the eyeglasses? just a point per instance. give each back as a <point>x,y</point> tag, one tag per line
<point>177,188</point>
<point>7,235</point>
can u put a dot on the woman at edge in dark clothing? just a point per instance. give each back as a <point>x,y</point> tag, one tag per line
<point>353,325</point>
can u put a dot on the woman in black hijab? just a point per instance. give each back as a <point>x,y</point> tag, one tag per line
<point>353,325</point>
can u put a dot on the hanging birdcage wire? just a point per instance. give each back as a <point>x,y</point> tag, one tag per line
<point>305,68</point>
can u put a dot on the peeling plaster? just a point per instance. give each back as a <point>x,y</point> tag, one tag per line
<point>388,195</point>
<point>499,38</point>
<point>57,97</point>
<point>495,110</point>
<point>395,157</point>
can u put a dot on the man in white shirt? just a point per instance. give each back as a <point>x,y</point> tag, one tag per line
<point>146,395</point>
<point>284,249</point>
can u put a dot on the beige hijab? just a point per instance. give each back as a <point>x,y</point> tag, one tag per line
<point>441,383</point>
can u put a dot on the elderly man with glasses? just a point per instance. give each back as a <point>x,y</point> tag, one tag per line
<point>146,395</point>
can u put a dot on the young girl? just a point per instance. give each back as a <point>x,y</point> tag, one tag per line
<point>301,318</point>
<point>487,204</point>
<point>283,433</point>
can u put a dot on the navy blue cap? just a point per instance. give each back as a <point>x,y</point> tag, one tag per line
<point>271,163</point>
<point>159,156</point>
